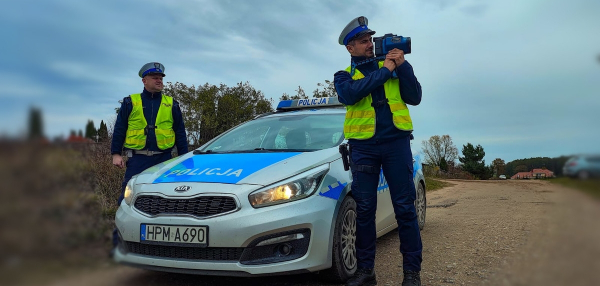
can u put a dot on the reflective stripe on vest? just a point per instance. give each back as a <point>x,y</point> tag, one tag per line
<point>360,117</point>
<point>165,135</point>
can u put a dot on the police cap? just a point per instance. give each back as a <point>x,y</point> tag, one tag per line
<point>355,29</point>
<point>152,68</point>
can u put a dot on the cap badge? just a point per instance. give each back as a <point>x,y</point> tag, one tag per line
<point>361,21</point>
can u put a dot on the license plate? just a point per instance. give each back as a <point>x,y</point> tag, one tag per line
<point>175,234</point>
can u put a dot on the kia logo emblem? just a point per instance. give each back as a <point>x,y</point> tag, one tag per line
<point>182,188</point>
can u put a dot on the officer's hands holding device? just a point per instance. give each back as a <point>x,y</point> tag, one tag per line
<point>396,55</point>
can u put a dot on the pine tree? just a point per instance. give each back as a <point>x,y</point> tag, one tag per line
<point>90,130</point>
<point>473,161</point>
<point>102,132</point>
<point>36,125</point>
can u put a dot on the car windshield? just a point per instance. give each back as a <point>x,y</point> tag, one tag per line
<point>294,132</point>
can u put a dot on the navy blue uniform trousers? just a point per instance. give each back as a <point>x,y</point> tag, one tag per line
<point>395,158</point>
<point>136,165</point>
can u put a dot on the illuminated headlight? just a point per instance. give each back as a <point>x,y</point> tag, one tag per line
<point>295,188</point>
<point>128,196</point>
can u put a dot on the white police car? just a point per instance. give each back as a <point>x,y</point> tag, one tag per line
<point>267,197</point>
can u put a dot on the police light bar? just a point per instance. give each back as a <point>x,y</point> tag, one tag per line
<point>308,103</point>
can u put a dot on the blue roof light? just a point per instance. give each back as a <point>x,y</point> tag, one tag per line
<point>308,103</point>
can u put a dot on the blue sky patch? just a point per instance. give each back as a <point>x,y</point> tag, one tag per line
<point>221,168</point>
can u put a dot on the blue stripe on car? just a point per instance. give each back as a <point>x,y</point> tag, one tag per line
<point>221,168</point>
<point>334,191</point>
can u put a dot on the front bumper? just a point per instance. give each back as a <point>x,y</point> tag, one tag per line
<point>233,240</point>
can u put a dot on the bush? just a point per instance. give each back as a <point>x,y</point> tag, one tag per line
<point>56,204</point>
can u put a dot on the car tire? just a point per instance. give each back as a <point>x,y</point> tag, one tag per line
<point>343,260</point>
<point>421,205</point>
<point>583,175</point>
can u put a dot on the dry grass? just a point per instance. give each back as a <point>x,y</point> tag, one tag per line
<point>433,184</point>
<point>591,186</point>
<point>57,206</point>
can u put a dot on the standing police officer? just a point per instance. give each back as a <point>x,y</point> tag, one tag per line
<point>148,126</point>
<point>378,127</point>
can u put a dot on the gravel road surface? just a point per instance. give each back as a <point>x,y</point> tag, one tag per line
<point>477,233</point>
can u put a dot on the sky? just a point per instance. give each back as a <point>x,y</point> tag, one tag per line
<point>520,78</point>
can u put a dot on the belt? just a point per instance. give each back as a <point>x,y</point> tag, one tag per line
<point>147,152</point>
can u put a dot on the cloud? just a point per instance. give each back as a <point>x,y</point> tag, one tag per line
<point>508,74</point>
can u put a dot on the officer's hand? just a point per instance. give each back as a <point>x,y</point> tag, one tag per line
<point>118,160</point>
<point>389,64</point>
<point>396,55</point>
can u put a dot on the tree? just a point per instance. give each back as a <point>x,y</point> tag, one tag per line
<point>90,130</point>
<point>209,110</point>
<point>300,94</point>
<point>328,90</point>
<point>102,132</point>
<point>553,164</point>
<point>285,96</point>
<point>521,168</point>
<point>498,166</point>
<point>444,165</point>
<point>118,109</point>
<point>438,149</point>
<point>80,133</point>
<point>36,124</point>
<point>473,161</point>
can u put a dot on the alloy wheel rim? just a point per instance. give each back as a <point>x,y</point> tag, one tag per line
<point>349,239</point>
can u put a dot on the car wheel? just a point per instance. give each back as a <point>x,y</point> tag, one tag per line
<point>421,205</point>
<point>583,175</point>
<point>343,264</point>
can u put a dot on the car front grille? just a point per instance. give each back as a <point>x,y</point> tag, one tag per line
<point>193,253</point>
<point>199,206</point>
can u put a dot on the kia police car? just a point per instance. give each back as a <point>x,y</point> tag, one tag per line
<point>268,197</point>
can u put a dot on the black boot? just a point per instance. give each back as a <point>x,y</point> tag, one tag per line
<point>362,277</point>
<point>411,278</point>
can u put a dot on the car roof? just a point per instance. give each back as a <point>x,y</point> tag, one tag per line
<point>312,111</point>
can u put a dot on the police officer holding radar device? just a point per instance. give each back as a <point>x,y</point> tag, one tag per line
<point>148,126</point>
<point>376,88</point>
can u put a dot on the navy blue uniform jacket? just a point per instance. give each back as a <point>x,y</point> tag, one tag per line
<point>151,103</point>
<point>352,91</point>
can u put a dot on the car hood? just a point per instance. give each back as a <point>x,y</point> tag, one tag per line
<point>236,168</point>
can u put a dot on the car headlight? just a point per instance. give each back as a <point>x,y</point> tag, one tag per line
<point>292,189</point>
<point>128,195</point>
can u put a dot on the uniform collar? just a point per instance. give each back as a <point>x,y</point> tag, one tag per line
<point>151,95</point>
<point>360,59</point>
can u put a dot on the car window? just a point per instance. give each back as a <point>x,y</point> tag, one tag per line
<point>593,159</point>
<point>291,132</point>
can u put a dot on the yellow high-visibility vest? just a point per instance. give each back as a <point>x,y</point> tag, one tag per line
<point>360,117</point>
<point>165,135</point>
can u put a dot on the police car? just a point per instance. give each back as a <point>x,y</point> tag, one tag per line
<point>268,197</point>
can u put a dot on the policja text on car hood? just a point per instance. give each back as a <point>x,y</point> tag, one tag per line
<point>236,168</point>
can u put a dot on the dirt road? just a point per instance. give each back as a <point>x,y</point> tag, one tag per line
<point>477,233</point>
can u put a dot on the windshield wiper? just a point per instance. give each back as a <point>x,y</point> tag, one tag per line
<point>197,152</point>
<point>282,150</point>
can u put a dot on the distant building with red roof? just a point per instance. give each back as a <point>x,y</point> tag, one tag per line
<point>534,174</point>
<point>78,139</point>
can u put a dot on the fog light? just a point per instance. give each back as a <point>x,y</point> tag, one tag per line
<point>285,249</point>
<point>281,239</point>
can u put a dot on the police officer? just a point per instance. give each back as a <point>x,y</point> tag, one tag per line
<point>378,127</point>
<point>148,126</point>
